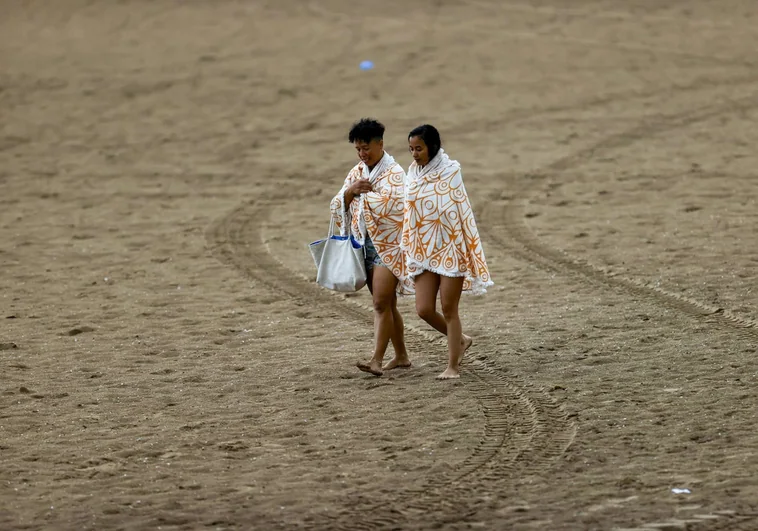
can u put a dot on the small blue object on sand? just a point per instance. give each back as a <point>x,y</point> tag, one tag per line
<point>367,65</point>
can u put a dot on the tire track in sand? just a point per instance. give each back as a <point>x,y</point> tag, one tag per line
<point>714,521</point>
<point>567,13</point>
<point>516,237</point>
<point>525,429</point>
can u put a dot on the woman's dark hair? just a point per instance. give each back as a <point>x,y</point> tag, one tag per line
<point>366,130</point>
<point>430,136</point>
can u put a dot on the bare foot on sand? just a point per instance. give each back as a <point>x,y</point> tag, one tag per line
<point>455,373</point>
<point>466,341</point>
<point>397,363</point>
<point>374,367</point>
<point>449,374</point>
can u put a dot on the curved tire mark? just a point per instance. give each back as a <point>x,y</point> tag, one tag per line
<point>523,429</point>
<point>521,240</point>
<point>715,521</point>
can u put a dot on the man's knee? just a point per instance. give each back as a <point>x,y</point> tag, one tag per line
<point>382,304</point>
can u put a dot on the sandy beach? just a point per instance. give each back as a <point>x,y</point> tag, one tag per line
<point>168,361</point>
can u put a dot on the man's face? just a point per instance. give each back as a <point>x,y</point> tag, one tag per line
<point>370,152</point>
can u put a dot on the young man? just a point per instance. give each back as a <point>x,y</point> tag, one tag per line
<point>370,207</point>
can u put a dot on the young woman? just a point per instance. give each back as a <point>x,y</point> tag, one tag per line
<point>440,241</point>
<point>370,206</point>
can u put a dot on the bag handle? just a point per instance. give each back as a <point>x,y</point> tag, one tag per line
<point>345,229</point>
<point>349,235</point>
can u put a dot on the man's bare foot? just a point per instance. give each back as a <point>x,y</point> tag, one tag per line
<point>374,367</point>
<point>397,363</point>
<point>449,374</point>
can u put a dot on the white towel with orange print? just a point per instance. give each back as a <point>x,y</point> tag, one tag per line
<point>439,229</point>
<point>377,214</point>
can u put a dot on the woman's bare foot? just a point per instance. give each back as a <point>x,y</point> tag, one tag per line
<point>449,374</point>
<point>466,342</point>
<point>374,367</point>
<point>455,373</point>
<point>398,363</point>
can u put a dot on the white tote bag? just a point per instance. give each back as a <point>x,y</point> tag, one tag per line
<point>340,261</point>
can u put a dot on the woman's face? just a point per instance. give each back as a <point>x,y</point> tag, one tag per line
<point>418,149</point>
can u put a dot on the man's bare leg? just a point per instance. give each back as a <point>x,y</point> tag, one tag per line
<point>398,341</point>
<point>383,293</point>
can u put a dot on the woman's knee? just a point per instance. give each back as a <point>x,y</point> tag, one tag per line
<point>449,311</point>
<point>425,311</point>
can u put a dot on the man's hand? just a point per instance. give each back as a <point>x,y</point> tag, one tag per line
<point>359,187</point>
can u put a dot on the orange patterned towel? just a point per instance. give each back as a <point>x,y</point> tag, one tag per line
<point>378,214</point>
<point>439,230</point>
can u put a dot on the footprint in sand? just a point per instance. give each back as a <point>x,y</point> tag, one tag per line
<point>80,330</point>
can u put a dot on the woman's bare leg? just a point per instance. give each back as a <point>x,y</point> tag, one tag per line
<point>450,296</point>
<point>427,286</point>
<point>383,284</point>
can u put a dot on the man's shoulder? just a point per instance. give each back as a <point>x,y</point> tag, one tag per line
<point>355,171</point>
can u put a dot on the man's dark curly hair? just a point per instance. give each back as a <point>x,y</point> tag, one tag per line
<point>366,130</point>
